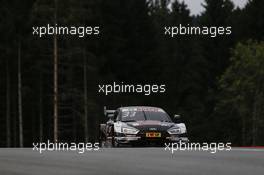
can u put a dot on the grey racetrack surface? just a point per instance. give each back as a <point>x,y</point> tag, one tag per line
<point>136,161</point>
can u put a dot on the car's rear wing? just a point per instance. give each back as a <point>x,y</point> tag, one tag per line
<point>109,113</point>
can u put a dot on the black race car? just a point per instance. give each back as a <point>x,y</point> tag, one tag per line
<point>140,125</point>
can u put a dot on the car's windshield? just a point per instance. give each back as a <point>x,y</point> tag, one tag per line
<point>138,114</point>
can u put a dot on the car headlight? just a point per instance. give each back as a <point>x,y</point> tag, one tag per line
<point>129,130</point>
<point>175,130</point>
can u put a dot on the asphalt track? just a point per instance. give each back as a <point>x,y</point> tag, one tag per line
<point>132,161</point>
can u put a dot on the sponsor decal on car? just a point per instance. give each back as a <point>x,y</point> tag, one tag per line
<point>153,134</point>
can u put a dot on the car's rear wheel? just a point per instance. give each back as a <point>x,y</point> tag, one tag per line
<point>114,143</point>
<point>101,139</point>
<point>105,143</point>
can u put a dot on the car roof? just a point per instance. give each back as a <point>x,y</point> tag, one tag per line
<point>140,107</point>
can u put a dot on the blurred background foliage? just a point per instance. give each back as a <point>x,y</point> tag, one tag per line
<point>216,84</point>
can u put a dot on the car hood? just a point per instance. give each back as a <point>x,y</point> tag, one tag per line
<point>151,125</point>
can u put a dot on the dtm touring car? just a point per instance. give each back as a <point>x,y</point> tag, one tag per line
<point>140,125</point>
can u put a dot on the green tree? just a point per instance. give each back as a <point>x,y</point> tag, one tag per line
<point>242,99</point>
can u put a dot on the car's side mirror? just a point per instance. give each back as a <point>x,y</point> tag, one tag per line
<point>110,116</point>
<point>111,119</point>
<point>177,118</point>
<point>110,122</point>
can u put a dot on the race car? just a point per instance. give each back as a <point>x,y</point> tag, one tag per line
<point>140,125</point>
